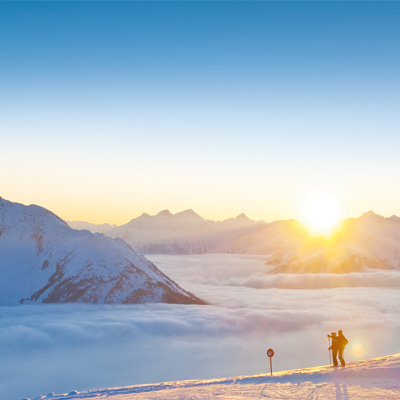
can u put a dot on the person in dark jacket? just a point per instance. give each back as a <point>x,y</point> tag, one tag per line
<point>341,343</point>
<point>334,347</point>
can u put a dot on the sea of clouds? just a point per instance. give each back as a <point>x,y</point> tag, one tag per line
<point>58,348</point>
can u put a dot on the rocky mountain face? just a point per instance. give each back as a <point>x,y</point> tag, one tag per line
<point>43,260</point>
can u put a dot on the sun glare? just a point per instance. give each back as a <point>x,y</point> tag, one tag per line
<point>357,349</point>
<point>321,214</point>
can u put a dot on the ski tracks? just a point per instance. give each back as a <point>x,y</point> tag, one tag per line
<point>288,391</point>
<point>315,393</point>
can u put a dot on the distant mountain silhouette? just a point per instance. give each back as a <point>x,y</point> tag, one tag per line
<point>368,242</point>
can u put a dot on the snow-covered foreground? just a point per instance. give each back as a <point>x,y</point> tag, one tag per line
<point>377,378</point>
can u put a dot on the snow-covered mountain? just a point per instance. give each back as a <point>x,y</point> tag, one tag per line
<point>95,228</point>
<point>369,242</point>
<point>188,233</point>
<point>182,233</point>
<point>43,260</point>
<point>376,379</point>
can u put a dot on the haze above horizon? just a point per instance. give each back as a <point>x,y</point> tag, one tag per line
<point>112,108</point>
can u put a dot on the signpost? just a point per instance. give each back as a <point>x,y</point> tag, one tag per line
<point>270,354</point>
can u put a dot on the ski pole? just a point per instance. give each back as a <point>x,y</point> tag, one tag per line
<point>330,357</point>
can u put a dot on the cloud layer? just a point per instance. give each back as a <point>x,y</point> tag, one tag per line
<point>64,347</point>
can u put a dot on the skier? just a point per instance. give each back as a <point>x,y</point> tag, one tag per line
<point>334,347</point>
<point>342,341</point>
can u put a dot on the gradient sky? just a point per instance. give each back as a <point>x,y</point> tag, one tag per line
<point>112,109</point>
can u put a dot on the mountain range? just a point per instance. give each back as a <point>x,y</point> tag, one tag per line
<point>43,260</point>
<point>366,243</point>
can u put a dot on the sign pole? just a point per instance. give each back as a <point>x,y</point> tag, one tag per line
<point>270,354</point>
<point>270,364</point>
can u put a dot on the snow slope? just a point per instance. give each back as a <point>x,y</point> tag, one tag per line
<point>43,260</point>
<point>373,379</point>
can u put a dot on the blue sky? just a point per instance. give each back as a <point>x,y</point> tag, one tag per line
<point>223,107</point>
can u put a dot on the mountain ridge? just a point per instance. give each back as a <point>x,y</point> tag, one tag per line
<point>369,242</point>
<point>239,216</point>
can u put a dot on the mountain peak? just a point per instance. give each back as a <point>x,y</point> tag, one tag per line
<point>30,212</point>
<point>164,213</point>
<point>243,217</point>
<point>188,214</point>
<point>371,215</point>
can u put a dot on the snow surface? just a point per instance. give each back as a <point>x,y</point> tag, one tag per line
<point>373,379</point>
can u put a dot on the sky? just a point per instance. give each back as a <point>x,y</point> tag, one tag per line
<point>112,109</point>
<point>63,347</point>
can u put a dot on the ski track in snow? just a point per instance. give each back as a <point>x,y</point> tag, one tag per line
<point>369,379</point>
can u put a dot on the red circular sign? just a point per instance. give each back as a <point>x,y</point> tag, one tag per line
<point>270,353</point>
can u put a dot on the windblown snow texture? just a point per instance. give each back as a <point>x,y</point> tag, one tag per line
<point>376,379</point>
<point>43,260</point>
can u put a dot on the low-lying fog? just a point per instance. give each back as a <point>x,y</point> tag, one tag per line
<point>58,348</point>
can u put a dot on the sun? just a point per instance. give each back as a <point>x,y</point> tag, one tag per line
<point>321,214</point>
